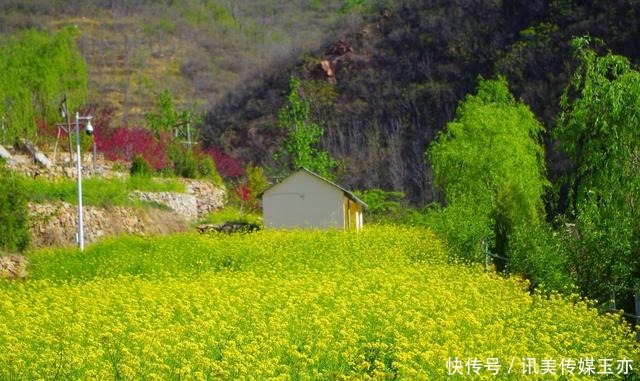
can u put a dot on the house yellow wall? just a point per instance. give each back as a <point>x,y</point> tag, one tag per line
<point>352,214</point>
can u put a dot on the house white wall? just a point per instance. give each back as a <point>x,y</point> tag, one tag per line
<point>303,201</point>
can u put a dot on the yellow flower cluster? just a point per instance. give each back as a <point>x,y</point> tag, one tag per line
<point>381,304</point>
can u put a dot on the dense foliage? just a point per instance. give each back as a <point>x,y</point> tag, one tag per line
<point>383,206</point>
<point>400,75</point>
<point>599,131</point>
<point>380,304</point>
<point>227,165</point>
<point>207,168</point>
<point>300,146</point>
<point>14,213</point>
<point>37,71</point>
<point>140,167</point>
<point>163,143</point>
<point>489,164</point>
<point>124,143</point>
<point>255,184</point>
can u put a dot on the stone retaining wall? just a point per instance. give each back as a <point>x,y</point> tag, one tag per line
<point>208,196</point>
<point>183,204</point>
<point>63,167</point>
<point>201,197</point>
<point>56,224</point>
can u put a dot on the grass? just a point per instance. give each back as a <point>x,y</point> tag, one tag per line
<point>232,214</point>
<point>96,191</point>
<point>385,303</point>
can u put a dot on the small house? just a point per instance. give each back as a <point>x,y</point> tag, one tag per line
<point>308,200</point>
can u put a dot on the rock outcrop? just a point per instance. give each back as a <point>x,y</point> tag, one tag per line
<point>38,155</point>
<point>6,156</point>
<point>13,267</point>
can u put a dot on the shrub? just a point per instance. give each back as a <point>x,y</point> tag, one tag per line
<point>538,253</point>
<point>207,169</point>
<point>14,213</point>
<point>383,205</point>
<point>256,184</point>
<point>227,165</point>
<point>124,143</point>
<point>140,167</point>
<point>185,163</point>
<point>248,189</point>
<point>463,225</point>
<point>232,214</point>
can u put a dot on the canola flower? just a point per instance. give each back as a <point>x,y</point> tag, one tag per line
<point>381,304</point>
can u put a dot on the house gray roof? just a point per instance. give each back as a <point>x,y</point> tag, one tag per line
<point>344,191</point>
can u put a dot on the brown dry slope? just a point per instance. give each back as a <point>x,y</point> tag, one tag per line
<point>198,50</point>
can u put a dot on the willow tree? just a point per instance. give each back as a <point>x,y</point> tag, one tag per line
<point>599,130</point>
<point>37,70</point>
<point>489,164</point>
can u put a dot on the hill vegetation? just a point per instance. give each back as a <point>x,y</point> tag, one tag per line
<point>393,71</point>
<point>397,79</point>
<point>38,71</point>
<point>199,49</point>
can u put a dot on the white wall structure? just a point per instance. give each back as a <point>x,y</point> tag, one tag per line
<point>307,200</point>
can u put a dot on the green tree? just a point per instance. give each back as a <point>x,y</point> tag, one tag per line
<point>37,70</point>
<point>490,165</point>
<point>167,118</point>
<point>14,213</point>
<point>207,169</point>
<point>179,124</point>
<point>257,183</point>
<point>598,128</point>
<point>300,147</point>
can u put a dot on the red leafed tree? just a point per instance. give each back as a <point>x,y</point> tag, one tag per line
<point>125,142</point>
<point>228,166</point>
<point>243,192</point>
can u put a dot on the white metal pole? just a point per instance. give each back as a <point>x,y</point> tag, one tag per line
<point>189,135</point>
<point>79,170</point>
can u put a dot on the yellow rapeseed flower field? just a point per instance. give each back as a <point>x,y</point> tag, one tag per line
<point>385,303</point>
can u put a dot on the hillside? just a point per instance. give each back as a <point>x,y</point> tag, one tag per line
<point>399,77</point>
<point>383,304</point>
<point>198,50</point>
<point>397,70</point>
